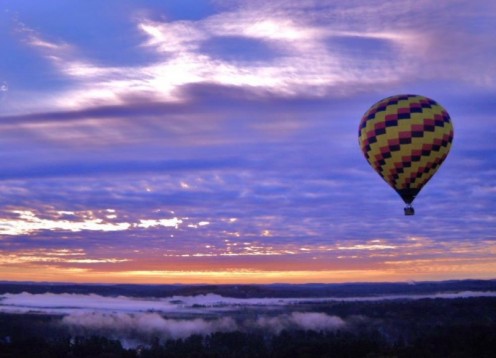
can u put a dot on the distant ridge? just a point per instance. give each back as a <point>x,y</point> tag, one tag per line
<point>275,290</point>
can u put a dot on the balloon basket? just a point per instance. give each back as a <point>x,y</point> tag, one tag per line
<point>409,210</point>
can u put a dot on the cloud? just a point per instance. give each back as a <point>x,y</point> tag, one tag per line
<point>27,222</point>
<point>314,321</point>
<point>46,255</point>
<point>312,59</point>
<point>313,50</point>
<point>139,319</point>
<point>145,326</point>
<point>304,62</point>
<point>91,169</point>
<point>142,319</point>
<point>205,305</point>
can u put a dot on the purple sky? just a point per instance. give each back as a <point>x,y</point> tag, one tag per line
<point>217,141</point>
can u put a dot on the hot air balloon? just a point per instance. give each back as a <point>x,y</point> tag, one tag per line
<point>406,138</point>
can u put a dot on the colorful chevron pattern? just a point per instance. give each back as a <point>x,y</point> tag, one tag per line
<point>405,138</point>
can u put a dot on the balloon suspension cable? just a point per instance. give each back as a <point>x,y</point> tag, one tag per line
<point>409,210</point>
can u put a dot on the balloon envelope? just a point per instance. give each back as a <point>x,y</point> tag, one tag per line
<point>405,138</point>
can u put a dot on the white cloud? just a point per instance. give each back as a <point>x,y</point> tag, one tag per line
<point>25,222</point>
<point>174,37</point>
<point>300,33</point>
<point>305,62</point>
<point>174,222</point>
<point>147,325</point>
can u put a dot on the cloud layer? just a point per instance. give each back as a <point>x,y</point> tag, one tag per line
<point>199,305</point>
<point>136,320</point>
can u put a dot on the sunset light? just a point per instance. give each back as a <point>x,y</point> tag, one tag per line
<point>158,142</point>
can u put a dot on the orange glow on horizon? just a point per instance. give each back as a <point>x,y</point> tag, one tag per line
<point>252,262</point>
<point>421,271</point>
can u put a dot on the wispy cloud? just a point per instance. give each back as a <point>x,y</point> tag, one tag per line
<point>199,305</point>
<point>26,222</point>
<point>304,59</point>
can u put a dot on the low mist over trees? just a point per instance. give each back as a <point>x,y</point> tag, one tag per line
<point>461,327</point>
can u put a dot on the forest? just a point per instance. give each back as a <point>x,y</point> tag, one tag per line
<point>461,327</point>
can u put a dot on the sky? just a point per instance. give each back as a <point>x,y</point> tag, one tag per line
<point>217,141</point>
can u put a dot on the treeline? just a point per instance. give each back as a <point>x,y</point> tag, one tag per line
<point>456,341</point>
